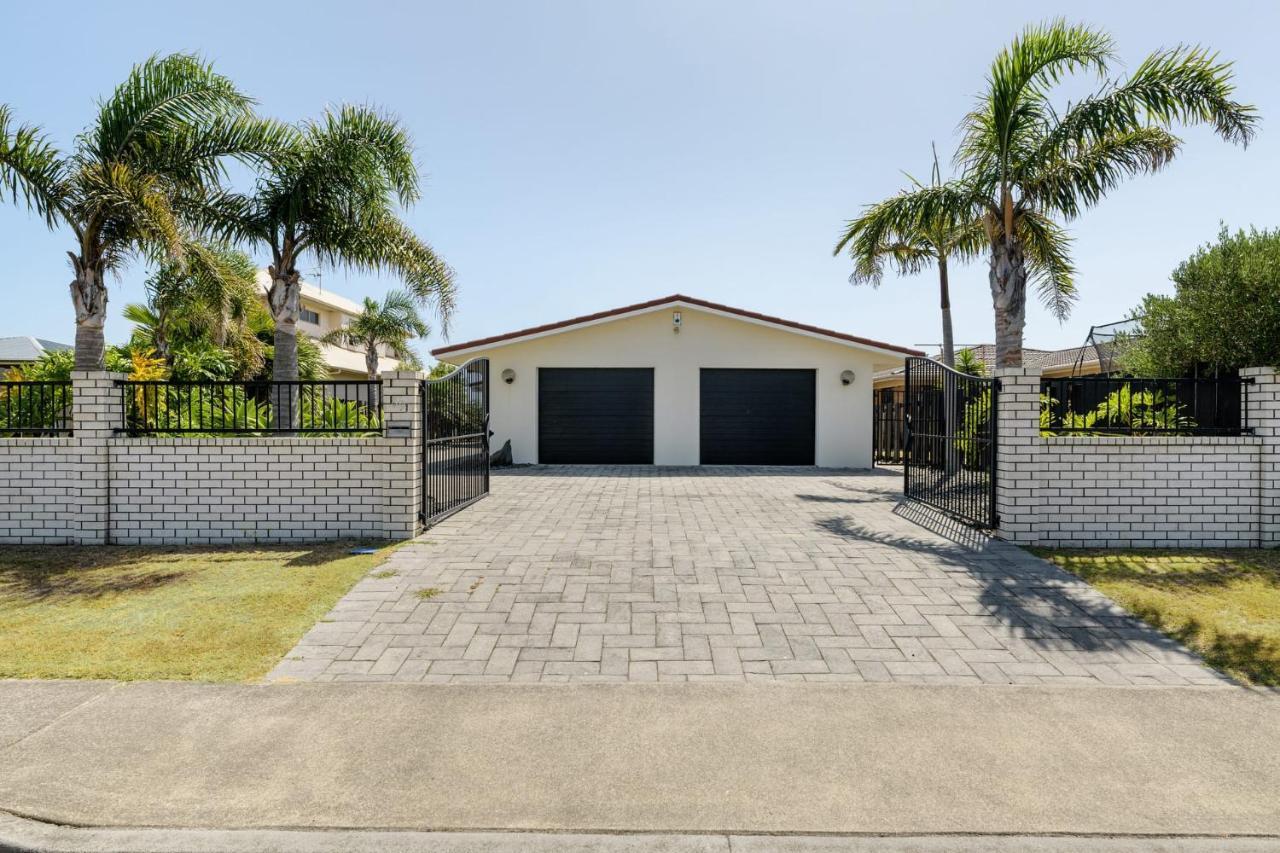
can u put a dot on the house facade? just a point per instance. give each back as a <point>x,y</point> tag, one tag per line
<point>324,311</point>
<point>681,381</point>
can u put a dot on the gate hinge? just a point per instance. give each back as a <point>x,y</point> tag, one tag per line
<point>997,384</point>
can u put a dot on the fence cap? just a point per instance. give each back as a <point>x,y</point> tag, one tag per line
<point>99,374</point>
<point>404,374</point>
<point>1008,372</point>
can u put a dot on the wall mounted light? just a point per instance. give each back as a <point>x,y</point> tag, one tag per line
<point>676,320</point>
<point>847,377</point>
<point>508,376</point>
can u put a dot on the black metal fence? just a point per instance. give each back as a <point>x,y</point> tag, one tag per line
<point>1106,405</point>
<point>888,433</point>
<point>455,446</point>
<point>320,407</point>
<point>35,409</point>
<point>950,460</point>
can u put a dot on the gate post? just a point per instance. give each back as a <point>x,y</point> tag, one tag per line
<point>402,443</point>
<point>1018,445</point>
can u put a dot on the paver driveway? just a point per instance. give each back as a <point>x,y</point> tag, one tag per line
<point>644,574</point>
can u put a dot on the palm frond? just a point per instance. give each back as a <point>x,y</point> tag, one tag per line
<point>1081,177</point>
<point>160,96</point>
<point>1017,83</point>
<point>1049,269</point>
<point>31,167</point>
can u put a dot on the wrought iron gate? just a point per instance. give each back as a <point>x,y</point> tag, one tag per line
<point>950,423</point>
<point>455,440</point>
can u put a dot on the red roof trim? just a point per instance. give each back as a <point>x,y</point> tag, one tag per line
<point>653,303</point>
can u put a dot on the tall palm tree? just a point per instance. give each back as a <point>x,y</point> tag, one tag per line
<point>389,325</point>
<point>334,195</point>
<point>912,249</point>
<point>136,177</point>
<point>1027,166</point>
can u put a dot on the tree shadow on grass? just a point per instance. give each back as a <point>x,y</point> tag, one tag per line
<point>88,572</point>
<point>1198,570</point>
<point>1251,657</point>
<point>1039,602</point>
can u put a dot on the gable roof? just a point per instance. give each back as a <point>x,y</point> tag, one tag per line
<point>675,299</point>
<point>24,348</point>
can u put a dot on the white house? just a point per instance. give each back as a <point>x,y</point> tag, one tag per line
<point>682,381</point>
<point>324,311</point>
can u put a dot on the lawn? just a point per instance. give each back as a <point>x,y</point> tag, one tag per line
<point>188,613</point>
<point>1223,604</point>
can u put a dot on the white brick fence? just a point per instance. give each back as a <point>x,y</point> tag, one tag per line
<point>99,486</point>
<point>1138,491</point>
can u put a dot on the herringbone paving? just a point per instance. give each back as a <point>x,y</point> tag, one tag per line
<point>724,574</point>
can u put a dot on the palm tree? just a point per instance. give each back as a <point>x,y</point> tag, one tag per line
<point>208,296</point>
<point>136,178</point>
<point>390,326</point>
<point>911,250</point>
<point>1027,167</point>
<point>334,195</point>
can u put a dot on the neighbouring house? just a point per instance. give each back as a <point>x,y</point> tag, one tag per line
<point>22,350</point>
<point>1073,361</point>
<point>682,381</point>
<point>324,311</point>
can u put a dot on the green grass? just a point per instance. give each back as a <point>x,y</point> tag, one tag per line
<point>189,613</point>
<point>1223,604</point>
<point>428,592</point>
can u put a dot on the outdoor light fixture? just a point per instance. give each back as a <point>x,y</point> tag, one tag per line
<point>508,376</point>
<point>675,322</point>
<point>847,377</point>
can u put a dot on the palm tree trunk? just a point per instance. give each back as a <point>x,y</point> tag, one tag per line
<point>89,296</point>
<point>285,301</point>
<point>371,361</point>
<point>1008,278</point>
<point>948,340</point>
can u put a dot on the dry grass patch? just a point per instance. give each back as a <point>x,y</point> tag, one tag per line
<point>1223,604</point>
<point>186,613</point>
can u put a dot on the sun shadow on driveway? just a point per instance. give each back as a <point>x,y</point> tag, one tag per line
<point>1036,601</point>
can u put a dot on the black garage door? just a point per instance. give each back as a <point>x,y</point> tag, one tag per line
<point>757,417</point>
<point>595,416</point>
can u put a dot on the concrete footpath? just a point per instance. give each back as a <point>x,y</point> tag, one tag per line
<point>713,761</point>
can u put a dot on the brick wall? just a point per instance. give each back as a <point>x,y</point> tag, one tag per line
<point>39,490</point>
<point>99,486</point>
<point>1119,492</point>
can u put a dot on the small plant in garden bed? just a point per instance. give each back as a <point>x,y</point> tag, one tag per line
<point>1222,604</point>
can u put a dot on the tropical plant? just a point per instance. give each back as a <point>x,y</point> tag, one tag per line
<point>334,196</point>
<point>1224,313</point>
<point>911,247</point>
<point>387,326</point>
<point>968,362</point>
<point>1028,166</point>
<point>1126,410</point>
<point>138,179</point>
<point>205,299</point>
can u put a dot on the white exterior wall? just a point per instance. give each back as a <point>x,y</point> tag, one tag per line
<point>705,340</point>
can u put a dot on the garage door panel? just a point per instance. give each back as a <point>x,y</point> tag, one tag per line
<point>757,416</point>
<point>595,416</point>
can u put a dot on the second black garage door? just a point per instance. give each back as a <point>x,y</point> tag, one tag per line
<point>758,417</point>
<point>595,416</point>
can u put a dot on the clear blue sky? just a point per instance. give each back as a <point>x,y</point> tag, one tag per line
<point>584,155</point>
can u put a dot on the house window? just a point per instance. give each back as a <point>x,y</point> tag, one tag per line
<point>309,316</point>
